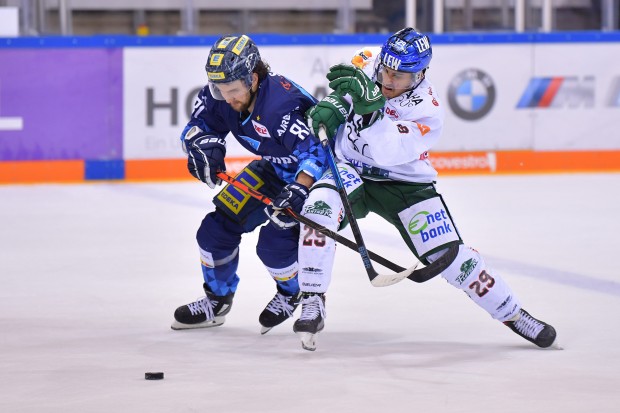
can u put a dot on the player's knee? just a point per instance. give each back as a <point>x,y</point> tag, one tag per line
<point>216,232</point>
<point>277,248</point>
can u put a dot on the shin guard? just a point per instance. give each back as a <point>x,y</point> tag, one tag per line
<point>470,273</point>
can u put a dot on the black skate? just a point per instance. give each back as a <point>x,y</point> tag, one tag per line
<point>531,329</point>
<point>311,321</point>
<point>208,311</point>
<point>279,309</point>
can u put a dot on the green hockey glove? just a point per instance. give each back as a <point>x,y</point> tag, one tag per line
<point>366,95</point>
<point>330,112</point>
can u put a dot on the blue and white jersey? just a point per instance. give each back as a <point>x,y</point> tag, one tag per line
<point>275,130</point>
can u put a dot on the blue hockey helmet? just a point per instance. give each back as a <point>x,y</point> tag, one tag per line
<point>232,58</point>
<point>405,51</point>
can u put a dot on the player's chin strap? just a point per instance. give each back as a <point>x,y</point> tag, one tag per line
<point>418,275</point>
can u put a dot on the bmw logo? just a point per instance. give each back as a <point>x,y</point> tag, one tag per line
<point>471,94</point>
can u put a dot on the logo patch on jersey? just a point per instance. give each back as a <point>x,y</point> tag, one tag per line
<point>466,268</point>
<point>319,208</point>
<point>252,142</point>
<point>284,124</point>
<point>349,176</point>
<point>261,129</point>
<point>428,225</point>
<point>233,198</point>
<point>206,259</point>
<point>285,84</point>
<point>392,113</point>
<point>283,274</point>
<point>283,160</point>
<point>423,128</point>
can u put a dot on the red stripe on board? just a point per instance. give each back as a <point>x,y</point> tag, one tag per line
<point>550,93</point>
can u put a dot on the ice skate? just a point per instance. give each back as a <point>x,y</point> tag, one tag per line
<point>208,311</point>
<point>531,329</point>
<point>311,321</point>
<point>279,309</point>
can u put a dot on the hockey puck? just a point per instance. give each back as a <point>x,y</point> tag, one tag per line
<point>154,375</point>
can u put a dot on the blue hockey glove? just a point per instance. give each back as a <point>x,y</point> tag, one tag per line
<point>366,95</point>
<point>205,156</point>
<point>330,112</point>
<point>292,196</point>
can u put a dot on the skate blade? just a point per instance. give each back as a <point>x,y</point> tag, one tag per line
<point>217,321</point>
<point>308,341</point>
<point>265,330</point>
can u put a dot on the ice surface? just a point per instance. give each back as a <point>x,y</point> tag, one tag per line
<point>91,274</point>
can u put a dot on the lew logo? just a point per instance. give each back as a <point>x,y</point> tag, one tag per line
<point>422,44</point>
<point>391,61</point>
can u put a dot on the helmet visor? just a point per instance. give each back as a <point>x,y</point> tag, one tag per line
<point>235,90</point>
<point>395,79</point>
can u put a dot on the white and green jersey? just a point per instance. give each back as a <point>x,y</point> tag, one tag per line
<point>396,146</point>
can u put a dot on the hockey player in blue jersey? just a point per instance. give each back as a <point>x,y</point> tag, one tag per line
<point>265,113</point>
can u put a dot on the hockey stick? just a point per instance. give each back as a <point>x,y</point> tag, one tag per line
<point>318,227</point>
<point>420,275</point>
<point>376,279</point>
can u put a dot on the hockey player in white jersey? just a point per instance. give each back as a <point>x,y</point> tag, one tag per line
<point>384,116</point>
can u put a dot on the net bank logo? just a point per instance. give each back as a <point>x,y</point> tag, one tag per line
<point>555,92</point>
<point>424,219</point>
<point>9,122</point>
<point>471,94</point>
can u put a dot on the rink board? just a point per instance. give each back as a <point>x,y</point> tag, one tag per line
<point>113,107</point>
